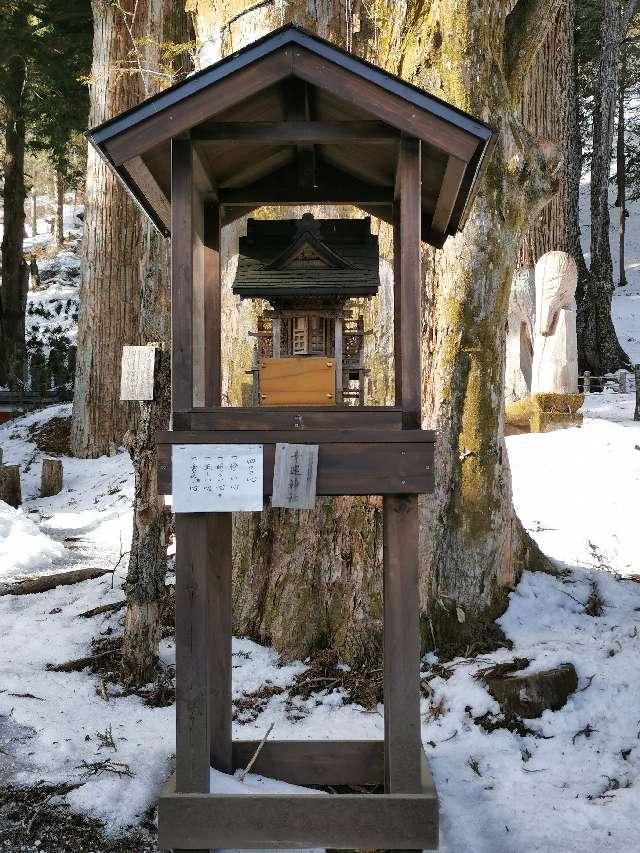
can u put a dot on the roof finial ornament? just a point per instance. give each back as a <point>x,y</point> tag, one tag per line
<point>308,223</point>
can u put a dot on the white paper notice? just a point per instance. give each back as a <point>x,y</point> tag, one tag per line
<point>137,373</point>
<point>217,478</point>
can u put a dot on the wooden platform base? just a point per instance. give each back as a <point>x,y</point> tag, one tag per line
<point>271,821</point>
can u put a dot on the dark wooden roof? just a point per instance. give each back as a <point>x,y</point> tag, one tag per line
<point>251,114</point>
<point>345,247</point>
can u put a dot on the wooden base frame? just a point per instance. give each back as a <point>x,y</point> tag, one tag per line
<point>402,814</point>
<point>272,821</point>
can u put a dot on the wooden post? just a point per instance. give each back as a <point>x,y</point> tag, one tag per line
<point>212,305</point>
<point>181,274</point>
<point>219,642</point>
<point>397,301</point>
<point>338,358</point>
<point>409,183</point>
<point>636,373</point>
<point>402,744</point>
<point>586,382</point>
<point>51,478</point>
<point>10,489</point>
<point>195,543</point>
<point>276,336</point>
<point>622,381</point>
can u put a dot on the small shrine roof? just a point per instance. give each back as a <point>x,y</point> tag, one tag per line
<point>292,119</point>
<point>288,258</point>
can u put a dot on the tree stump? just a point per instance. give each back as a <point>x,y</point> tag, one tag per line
<point>10,490</point>
<point>52,474</point>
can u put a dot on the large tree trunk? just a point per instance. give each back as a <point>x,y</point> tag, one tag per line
<point>474,545</point>
<point>307,580</point>
<point>14,277</point>
<point>546,113</point>
<point>598,346</point>
<point>110,286</point>
<point>145,583</point>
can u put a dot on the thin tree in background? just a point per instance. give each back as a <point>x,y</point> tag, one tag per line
<point>621,166</point>
<point>598,347</point>
<point>44,47</point>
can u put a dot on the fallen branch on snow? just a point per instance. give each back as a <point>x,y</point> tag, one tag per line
<point>104,608</point>
<point>43,583</point>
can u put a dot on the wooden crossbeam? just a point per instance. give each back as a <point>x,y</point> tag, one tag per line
<point>272,821</point>
<point>296,132</point>
<point>282,187</point>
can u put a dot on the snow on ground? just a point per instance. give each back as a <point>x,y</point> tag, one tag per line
<point>23,546</point>
<point>568,790</point>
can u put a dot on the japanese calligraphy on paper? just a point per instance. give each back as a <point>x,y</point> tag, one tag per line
<point>217,477</point>
<point>137,373</point>
<point>294,476</point>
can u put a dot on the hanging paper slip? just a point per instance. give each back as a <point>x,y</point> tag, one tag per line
<point>217,477</point>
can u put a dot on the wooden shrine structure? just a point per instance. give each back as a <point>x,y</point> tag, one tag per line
<point>293,120</point>
<point>310,345</point>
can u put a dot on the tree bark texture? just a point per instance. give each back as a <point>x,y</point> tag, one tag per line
<point>145,583</point>
<point>13,293</point>
<point>473,546</point>
<point>598,348</point>
<point>309,580</point>
<point>546,113</point>
<point>110,286</point>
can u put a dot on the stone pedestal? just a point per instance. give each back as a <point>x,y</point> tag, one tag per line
<point>555,411</point>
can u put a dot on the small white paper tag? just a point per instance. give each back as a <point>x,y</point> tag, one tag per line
<point>137,373</point>
<point>294,476</point>
<point>217,478</point>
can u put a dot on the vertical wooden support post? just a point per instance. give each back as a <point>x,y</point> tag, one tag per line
<point>636,373</point>
<point>181,274</point>
<point>212,305</point>
<point>194,549</point>
<point>409,171</point>
<point>402,744</point>
<point>337,351</point>
<point>397,301</point>
<point>220,629</point>
<point>193,532</point>
<point>276,336</point>
<point>402,747</point>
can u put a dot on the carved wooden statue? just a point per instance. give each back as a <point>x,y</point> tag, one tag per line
<point>555,350</point>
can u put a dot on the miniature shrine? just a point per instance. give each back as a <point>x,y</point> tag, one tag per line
<point>310,345</point>
<point>293,120</point>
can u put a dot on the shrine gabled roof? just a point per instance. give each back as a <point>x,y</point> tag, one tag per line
<point>340,259</point>
<point>221,107</point>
